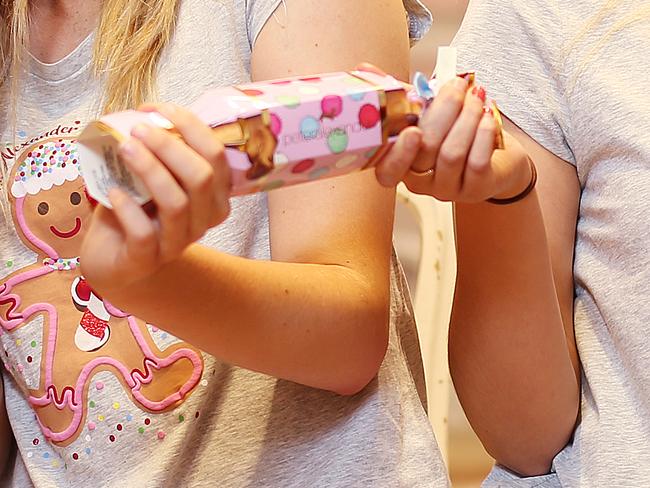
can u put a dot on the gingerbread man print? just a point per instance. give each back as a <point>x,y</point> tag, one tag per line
<point>82,334</point>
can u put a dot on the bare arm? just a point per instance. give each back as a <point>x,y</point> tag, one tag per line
<point>512,349</point>
<point>6,437</point>
<point>318,314</point>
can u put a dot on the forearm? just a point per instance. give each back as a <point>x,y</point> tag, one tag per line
<point>320,325</point>
<point>509,356</point>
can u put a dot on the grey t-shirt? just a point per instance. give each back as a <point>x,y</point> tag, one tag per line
<point>585,101</point>
<point>97,397</point>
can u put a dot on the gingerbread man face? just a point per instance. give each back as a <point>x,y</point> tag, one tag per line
<point>50,206</point>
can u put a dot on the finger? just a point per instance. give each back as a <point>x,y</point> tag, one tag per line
<point>191,171</point>
<point>438,120</point>
<point>457,145</point>
<point>208,186</point>
<point>141,237</point>
<point>371,68</point>
<point>202,139</point>
<point>194,132</point>
<point>392,168</point>
<point>172,203</point>
<point>478,180</point>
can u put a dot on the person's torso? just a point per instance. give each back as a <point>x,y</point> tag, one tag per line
<point>610,138</point>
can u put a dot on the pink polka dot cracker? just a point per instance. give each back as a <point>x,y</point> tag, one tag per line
<point>276,133</point>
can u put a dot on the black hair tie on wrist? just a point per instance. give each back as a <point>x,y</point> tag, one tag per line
<point>523,194</point>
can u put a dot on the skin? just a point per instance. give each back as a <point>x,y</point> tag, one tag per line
<point>512,350</point>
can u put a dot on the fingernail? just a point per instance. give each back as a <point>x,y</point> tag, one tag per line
<point>460,83</point>
<point>140,131</point>
<point>412,140</point>
<point>469,77</point>
<point>115,196</point>
<point>167,109</point>
<point>479,92</point>
<point>128,148</point>
<point>160,121</point>
<point>412,120</point>
<point>488,111</point>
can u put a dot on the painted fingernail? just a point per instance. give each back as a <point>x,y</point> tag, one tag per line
<point>488,111</point>
<point>479,91</point>
<point>469,77</point>
<point>140,131</point>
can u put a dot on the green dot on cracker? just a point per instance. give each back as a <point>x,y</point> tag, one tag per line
<point>289,101</point>
<point>337,141</point>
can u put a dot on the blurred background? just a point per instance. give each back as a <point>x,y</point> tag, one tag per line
<point>468,462</point>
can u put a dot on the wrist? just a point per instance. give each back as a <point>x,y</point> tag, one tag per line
<point>522,183</point>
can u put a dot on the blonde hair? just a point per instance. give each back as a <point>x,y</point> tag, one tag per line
<point>609,6</point>
<point>129,42</point>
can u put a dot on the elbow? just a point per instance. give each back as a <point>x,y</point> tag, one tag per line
<point>536,458</point>
<point>529,467</point>
<point>365,353</point>
<point>357,382</point>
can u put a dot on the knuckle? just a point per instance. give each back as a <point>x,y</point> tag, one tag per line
<point>157,139</point>
<point>474,109</point>
<point>451,154</point>
<point>431,143</point>
<point>487,125</point>
<point>452,97</point>
<point>204,180</point>
<point>178,206</point>
<point>477,164</point>
<point>146,165</point>
<point>144,237</point>
<point>182,117</point>
<point>221,211</point>
<point>217,156</point>
<point>385,175</point>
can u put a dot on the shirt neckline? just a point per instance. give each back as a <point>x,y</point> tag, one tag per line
<point>78,59</point>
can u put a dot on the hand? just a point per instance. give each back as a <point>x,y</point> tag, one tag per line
<point>451,155</point>
<point>189,182</point>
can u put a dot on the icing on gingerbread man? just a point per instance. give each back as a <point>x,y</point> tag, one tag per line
<point>82,333</point>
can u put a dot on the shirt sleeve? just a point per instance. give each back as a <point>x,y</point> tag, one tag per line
<point>515,47</point>
<point>258,13</point>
